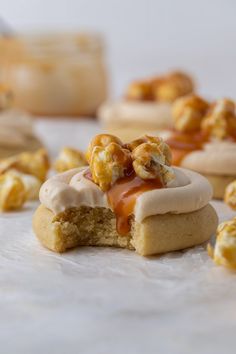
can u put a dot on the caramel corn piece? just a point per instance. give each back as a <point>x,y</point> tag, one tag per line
<point>31,183</point>
<point>172,86</point>
<point>224,252</point>
<point>36,163</point>
<point>188,113</point>
<point>220,122</point>
<point>101,140</point>
<point>230,195</point>
<point>108,164</point>
<point>139,90</point>
<point>165,149</point>
<point>12,193</point>
<point>149,163</point>
<point>69,158</point>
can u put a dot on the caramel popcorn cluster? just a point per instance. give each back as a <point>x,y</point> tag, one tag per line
<point>108,164</point>
<point>188,113</point>
<point>21,177</point>
<point>164,148</point>
<point>12,192</point>
<point>32,163</point>
<point>220,121</point>
<point>101,140</point>
<point>172,86</point>
<point>224,252</point>
<point>192,113</point>
<point>109,159</point>
<point>31,183</point>
<point>140,91</point>
<point>69,158</point>
<point>230,195</point>
<point>149,162</point>
<point>164,88</point>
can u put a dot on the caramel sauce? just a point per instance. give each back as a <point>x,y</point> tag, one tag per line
<point>122,197</point>
<point>123,194</point>
<point>182,144</point>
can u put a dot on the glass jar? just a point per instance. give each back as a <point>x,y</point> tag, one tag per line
<point>56,74</point>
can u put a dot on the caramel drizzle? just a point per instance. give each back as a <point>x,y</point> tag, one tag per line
<point>182,144</point>
<point>122,197</point>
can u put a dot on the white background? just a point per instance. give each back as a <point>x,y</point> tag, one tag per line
<point>146,36</point>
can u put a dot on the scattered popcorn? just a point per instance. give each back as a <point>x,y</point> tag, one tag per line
<point>230,195</point>
<point>101,140</point>
<point>220,122</point>
<point>172,86</point>
<point>31,183</point>
<point>108,164</point>
<point>149,163</point>
<point>32,163</point>
<point>12,192</point>
<point>69,158</point>
<point>139,90</point>
<point>224,252</point>
<point>188,113</point>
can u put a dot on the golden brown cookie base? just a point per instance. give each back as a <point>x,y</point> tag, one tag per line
<point>86,226</point>
<point>31,144</point>
<point>219,183</point>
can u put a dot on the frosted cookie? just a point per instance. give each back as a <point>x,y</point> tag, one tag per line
<point>129,196</point>
<point>16,133</point>
<point>16,128</point>
<point>146,107</point>
<point>203,139</point>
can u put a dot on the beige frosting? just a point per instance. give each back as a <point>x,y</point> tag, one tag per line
<point>15,128</point>
<point>154,114</point>
<point>217,158</point>
<point>188,192</point>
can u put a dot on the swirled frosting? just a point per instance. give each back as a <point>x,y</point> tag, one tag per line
<point>123,113</point>
<point>188,192</point>
<point>215,158</point>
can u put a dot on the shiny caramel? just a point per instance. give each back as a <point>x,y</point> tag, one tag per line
<point>123,194</point>
<point>122,197</point>
<point>182,144</point>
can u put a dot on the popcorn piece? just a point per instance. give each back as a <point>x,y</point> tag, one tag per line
<point>31,183</point>
<point>108,164</point>
<point>230,195</point>
<point>165,149</point>
<point>36,164</point>
<point>12,192</point>
<point>139,90</point>
<point>172,86</point>
<point>101,140</point>
<point>149,163</point>
<point>220,121</point>
<point>188,113</point>
<point>224,252</point>
<point>69,158</point>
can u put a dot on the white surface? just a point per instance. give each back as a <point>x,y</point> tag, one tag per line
<point>145,37</point>
<point>109,301</point>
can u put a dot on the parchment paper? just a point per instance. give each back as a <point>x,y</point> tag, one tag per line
<point>108,301</point>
